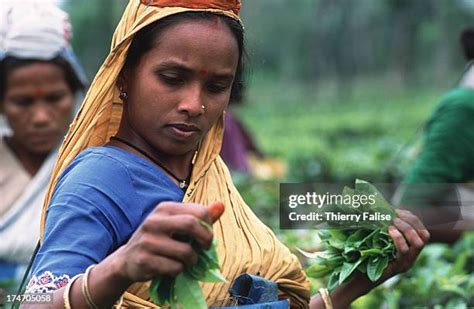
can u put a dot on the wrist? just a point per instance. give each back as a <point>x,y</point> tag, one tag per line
<point>348,292</point>
<point>107,281</point>
<point>114,270</point>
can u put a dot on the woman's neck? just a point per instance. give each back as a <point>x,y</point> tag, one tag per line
<point>178,166</point>
<point>30,161</point>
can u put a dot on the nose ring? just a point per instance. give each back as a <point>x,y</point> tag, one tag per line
<point>203,107</point>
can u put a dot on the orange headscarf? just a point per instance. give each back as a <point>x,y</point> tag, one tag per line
<point>245,244</point>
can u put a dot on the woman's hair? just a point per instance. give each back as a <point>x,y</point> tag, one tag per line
<point>145,39</point>
<point>9,64</point>
<point>467,42</point>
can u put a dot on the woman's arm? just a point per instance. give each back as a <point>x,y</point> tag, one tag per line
<point>409,236</point>
<point>104,278</point>
<point>346,293</point>
<point>151,251</point>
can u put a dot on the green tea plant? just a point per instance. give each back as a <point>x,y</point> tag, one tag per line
<point>367,249</point>
<point>443,277</point>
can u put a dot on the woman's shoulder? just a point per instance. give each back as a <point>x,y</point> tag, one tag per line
<point>98,165</point>
<point>461,97</point>
<point>455,107</point>
<point>110,164</point>
<point>105,157</point>
<point>116,173</point>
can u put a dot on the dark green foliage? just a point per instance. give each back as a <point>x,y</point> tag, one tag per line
<point>443,277</point>
<point>367,249</point>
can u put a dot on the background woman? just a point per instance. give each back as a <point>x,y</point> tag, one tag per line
<point>39,78</point>
<point>439,183</point>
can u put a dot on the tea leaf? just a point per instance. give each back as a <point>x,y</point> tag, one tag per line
<point>347,270</point>
<point>375,268</point>
<point>189,294</point>
<point>184,290</point>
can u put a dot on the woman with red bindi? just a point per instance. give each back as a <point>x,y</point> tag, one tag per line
<point>39,78</point>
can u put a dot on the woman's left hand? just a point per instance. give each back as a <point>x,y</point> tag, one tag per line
<point>409,236</point>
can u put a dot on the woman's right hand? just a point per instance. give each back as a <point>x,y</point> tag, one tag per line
<point>154,249</point>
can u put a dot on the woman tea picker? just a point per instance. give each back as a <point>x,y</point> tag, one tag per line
<point>152,121</point>
<point>39,77</point>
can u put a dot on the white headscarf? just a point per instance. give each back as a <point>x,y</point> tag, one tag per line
<point>36,29</point>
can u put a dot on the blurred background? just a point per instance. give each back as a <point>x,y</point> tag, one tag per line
<point>336,88</point>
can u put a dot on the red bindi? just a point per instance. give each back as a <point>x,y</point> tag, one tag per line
<point>203,73</point>
<point>39,92</point>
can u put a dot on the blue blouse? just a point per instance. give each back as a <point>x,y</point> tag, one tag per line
<point>99,201</point>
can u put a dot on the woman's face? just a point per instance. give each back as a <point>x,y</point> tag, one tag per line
<point>37,104</point>
<point>191,66</point>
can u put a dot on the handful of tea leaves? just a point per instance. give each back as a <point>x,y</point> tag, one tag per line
<point>366,249</point>
<point>183,291</point>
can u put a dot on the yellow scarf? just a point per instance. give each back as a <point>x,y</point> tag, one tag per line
<point>245,244</point>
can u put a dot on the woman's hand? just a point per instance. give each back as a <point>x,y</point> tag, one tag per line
<point>154,249</point>
<point>409,236</point>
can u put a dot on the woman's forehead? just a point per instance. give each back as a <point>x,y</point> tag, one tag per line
<point>35,74</point>
<point>212,29</point>
<point>196,42</point>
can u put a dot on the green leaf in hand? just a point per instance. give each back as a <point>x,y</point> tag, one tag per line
<point>184,292</point>
<point>366,249</point>
<point>348,269</point>
<point>189,294</point>
<point>375,267</point>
